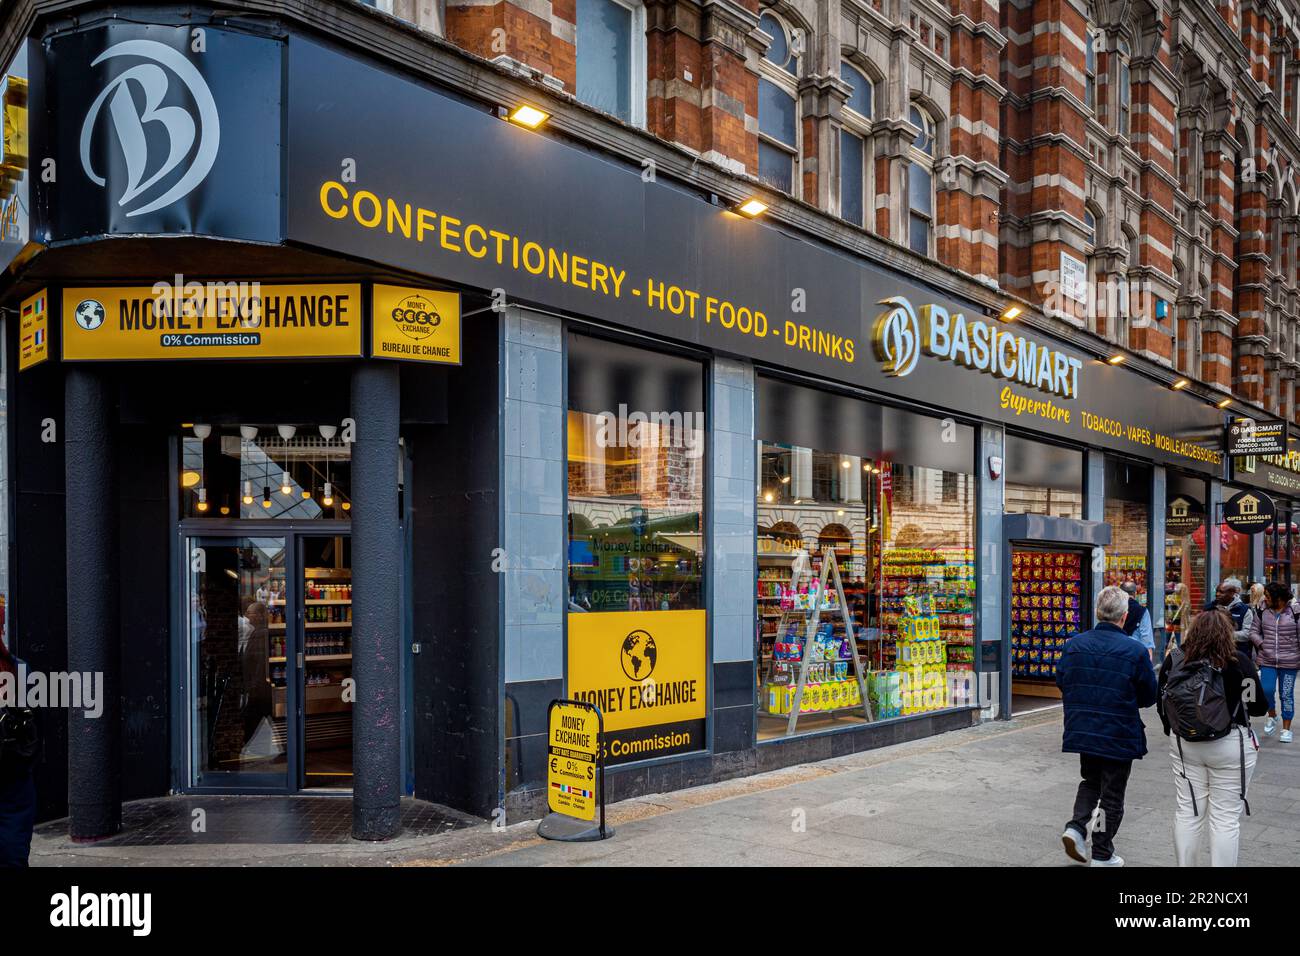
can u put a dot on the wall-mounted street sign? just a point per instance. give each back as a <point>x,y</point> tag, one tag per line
<point>211,320</point>
<point>1249,511</point>
<point>575,772</point>
<point>34,330</point>
<point>1248,436</point>
<point>415,325</point>
<point>1183,515</point>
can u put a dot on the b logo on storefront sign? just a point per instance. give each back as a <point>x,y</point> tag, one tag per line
<point>898,337</point>
<point>416,317</point>
<point>188,136</point>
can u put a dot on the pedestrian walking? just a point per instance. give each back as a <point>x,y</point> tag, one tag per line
<point>1137,622</point>
<point>1177,613</point>
<point>1276,635</point>
<point>17,786</point>
<point>1106,678</point>
<point>1209,689</point>
<point>1256,601</point>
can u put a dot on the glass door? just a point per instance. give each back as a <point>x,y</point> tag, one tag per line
<point>328,691</point>
<point>243,702</point>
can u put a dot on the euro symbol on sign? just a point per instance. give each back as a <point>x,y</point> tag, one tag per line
<point>898,337</point>
<point>554,763</point>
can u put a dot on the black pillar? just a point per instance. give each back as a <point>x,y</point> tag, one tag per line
<point>91,505</point>
<point>376,603</point>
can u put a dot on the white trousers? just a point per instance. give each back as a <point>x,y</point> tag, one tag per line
<point>1213,770</point>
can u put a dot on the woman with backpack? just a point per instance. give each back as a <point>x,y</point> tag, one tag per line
<point>1208,691</point>
<point>1275,632</point>
<point>17,786</point>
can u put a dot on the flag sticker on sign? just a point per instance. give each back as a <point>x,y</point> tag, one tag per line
<point>33,341</point>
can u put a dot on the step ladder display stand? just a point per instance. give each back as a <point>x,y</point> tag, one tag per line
<point>830,566</point>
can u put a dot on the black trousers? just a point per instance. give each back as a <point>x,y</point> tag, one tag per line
<point>1104,780</point>
<point>17,817</point>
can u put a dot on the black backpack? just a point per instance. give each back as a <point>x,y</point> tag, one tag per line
<point>1194,700</point>
<point>1194,703</point>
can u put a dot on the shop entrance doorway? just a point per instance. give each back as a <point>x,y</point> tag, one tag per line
<point>1048,597</point>
<point>267,662</point>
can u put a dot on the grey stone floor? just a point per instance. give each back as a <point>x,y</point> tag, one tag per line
<point>994,795</point>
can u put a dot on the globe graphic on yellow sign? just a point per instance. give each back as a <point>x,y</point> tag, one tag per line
<point>638,655</point>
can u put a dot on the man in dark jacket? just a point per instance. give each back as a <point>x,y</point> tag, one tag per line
<point>1106,678</point>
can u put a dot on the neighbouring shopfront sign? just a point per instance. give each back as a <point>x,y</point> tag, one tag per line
<point>211,320</point>
<point>645,670</point>
<point>572,751</point>
<point>158,129</point>
<point>1183,515</point>
<point>34,330</point>
<point>15,160</point>
<point>415,325</point>
<point>1248,436</point>
<point>1249,511</point>
<point>537,221</point>
<point>1275,473</point>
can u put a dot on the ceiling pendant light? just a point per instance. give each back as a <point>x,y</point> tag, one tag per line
<point>286,484</point>
<point>328,500</point>
<point>203,499</point>
<point>266,497</point>
<point>248,492</point>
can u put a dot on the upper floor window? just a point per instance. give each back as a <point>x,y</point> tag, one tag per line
<point>1090,69</point>
<point>1125,88</point>
<point>611,57</point>
<point>920,183</point>
<point>855,148</point>
<point>778,112</point>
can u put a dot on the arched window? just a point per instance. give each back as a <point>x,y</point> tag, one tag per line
<point>778,111</point>
<point>610,54</point>
<point>1125,88</point>
<point>855,147</point>
<point>920,183</point>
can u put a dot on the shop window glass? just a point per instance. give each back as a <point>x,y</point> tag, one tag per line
<point>636,623</point>
<point>1278,540</point>
<point>1234,550</point>
<point>265,471</point>
<point>636,479</point>
<point>1043,479</point>
<point>1185,529</point>
<point>881,492</point>
<point>1127,507</point>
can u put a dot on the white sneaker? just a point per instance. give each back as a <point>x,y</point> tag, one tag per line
<point>1270,725</point>
<point>1076,847</point>
<point>1285,737</point>
<point>1115,860</point>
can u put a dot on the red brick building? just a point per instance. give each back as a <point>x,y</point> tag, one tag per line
<point>1149,148</point>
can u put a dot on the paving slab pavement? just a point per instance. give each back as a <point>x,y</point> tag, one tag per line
<point>993,795</point>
